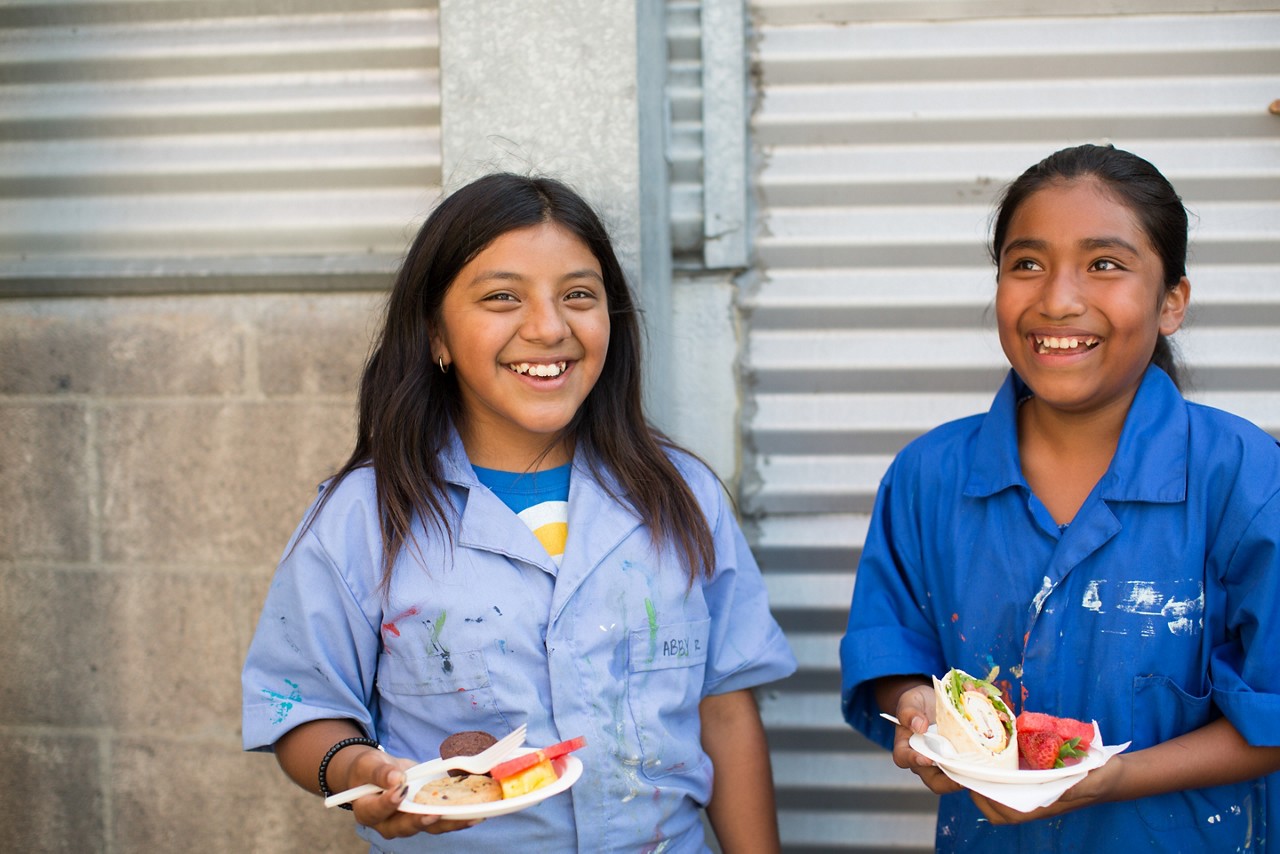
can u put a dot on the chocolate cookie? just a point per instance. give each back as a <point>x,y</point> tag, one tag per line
<point>467,743</point>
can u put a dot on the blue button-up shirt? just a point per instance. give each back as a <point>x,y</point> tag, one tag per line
<point>488,633</point>
<point>1154,612</point>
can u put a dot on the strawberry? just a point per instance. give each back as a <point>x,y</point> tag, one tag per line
<point>1044,749</point>
<point>1039,749</point>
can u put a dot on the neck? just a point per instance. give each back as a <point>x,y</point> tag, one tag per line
<point>523,457</point>
<point>1071,433</point>
<point>1064,454</point>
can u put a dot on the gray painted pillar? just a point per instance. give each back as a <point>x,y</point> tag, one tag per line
<point>575,90</point>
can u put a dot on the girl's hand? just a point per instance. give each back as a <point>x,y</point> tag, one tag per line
<point>299,752</point>
<point>1095,788</point>
<point>915,713</point>
<point>382,812</point>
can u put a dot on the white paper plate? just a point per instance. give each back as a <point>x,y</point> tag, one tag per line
<point>568,769</point>
<point>1093,759</point>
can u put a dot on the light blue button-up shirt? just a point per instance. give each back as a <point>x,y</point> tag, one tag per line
<point>489,633</point>
<point>1154,612</point>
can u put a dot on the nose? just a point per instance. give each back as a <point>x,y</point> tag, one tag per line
<point>545,321</point>
<point>1062,295</point>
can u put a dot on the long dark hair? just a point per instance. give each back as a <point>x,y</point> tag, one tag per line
<point>407,405</point>
<point>1132,181</point>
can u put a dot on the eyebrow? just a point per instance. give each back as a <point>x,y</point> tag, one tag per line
<point>511,276</point>
<point>1109,243</point>
<point>1091,243</point>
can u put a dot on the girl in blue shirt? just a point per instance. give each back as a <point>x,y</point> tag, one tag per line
<point>1113,548</point>
<point>621,604</point>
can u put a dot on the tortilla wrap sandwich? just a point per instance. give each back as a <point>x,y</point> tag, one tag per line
<point>972,715</point>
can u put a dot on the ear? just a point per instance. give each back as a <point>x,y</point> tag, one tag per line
<point>439,350</point>
<point>1174,309</point>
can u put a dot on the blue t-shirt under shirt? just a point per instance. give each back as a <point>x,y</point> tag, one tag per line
<point>540,499</point>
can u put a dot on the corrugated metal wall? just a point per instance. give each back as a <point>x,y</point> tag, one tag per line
<point>197,144</point>
<point>880,147</point>
<point>684,144</point>
<point>706,139</point>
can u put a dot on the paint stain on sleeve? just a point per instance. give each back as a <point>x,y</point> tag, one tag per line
<point>283,703</point>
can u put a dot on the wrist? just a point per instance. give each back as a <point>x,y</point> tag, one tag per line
<point>888,690</point>
<point>333,774</point>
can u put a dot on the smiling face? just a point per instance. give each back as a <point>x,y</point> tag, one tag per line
<point>525,328</point>
<point>1080,299</point>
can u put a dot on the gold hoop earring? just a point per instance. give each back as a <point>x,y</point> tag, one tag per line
<point>443,369</point>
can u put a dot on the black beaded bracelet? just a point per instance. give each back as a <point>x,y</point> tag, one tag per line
<point>324,763</point>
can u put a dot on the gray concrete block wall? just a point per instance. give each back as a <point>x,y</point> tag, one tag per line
<point>155,455</point>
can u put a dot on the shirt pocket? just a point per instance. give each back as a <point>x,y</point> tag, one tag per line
<point>1163,710</point>
<point>666,670</point>
<point>451,689</point>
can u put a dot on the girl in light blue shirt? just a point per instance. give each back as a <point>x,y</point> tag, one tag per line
<point>414,602</point>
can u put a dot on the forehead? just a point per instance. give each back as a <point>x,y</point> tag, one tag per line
<point>539,243</point>
<point>1079,209</point>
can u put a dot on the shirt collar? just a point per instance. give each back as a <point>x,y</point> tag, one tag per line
<point>455,466</point>
<point>995,453</point>
<point>1150,462</point>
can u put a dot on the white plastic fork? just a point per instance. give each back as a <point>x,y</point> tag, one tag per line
<point>477,764</point>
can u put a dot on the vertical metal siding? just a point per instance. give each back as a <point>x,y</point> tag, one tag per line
<point>881,144</point>
<point>707,146</point>
<point>193,144</point>
<point>684,146</point>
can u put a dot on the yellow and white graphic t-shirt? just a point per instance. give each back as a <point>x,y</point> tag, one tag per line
<point>540,499</point>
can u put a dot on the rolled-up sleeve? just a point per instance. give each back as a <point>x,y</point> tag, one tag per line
<point>314,653</point>
<point>747,646</point>
<point>887,634</point>
<point>1246,681</point>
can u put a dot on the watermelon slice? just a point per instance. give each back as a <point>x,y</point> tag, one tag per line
<point>1064,728</point>
<point>528,760</point>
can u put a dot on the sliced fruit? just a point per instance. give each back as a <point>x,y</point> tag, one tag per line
<point>1065,728</point>
<point>524,782</point>
<point>527,760</point>
<point>1040,749</point>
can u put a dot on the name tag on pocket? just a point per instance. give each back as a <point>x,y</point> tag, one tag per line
<point>673,645</point>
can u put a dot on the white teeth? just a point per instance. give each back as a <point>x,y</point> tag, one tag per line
<point>1046,343</point>
<point>552,370</point>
